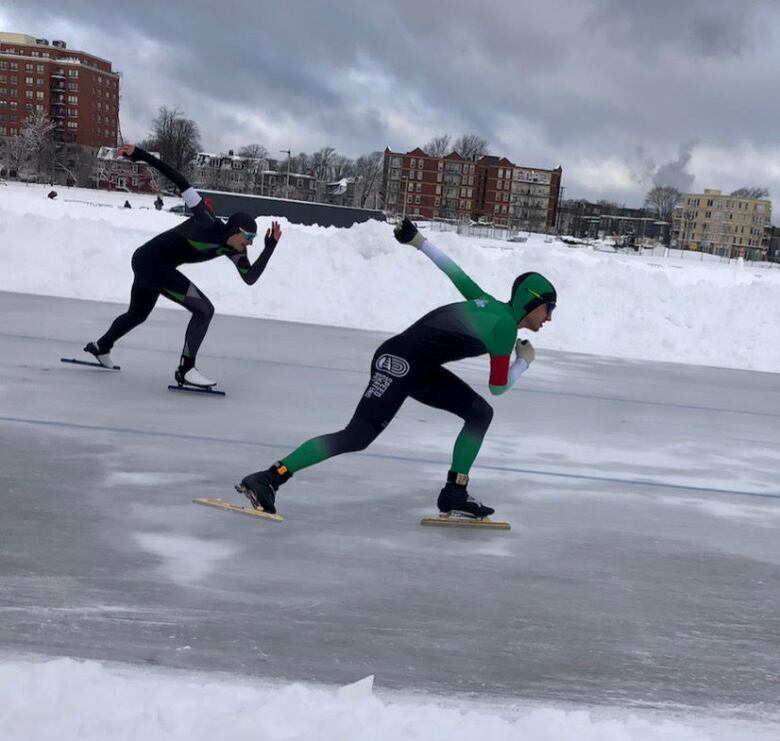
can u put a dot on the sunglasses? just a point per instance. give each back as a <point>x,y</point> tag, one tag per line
<point>550,307</point>
<point>249,236</point>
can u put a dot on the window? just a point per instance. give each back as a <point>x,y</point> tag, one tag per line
<point>39,94</point>
<point>39,68</point>
<point>420,164</point>
<point>72,124</point>
<point>411,164</point>
<point>74,99</point>
<point>28,93</point>
<point>73,73</point>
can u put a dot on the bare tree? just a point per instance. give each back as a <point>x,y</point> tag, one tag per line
<point>753,192</point>
<point>38,133</point>
<point>368,171</point>
<point>302,163</point>
<point>321,163</point>
<point>438,146</point>
<point>471,147</point>
<point>254,152</point>
<point>176,138</point>
<point>13,155</point>
<point>662,200</point>
<point>341,167</point>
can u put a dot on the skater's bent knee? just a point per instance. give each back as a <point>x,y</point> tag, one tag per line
<point>480,411</point>
<point>359,434</point>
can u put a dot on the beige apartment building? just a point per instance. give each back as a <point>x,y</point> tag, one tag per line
<point>731,226</point>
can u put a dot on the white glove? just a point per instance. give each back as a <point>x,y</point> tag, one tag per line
<point>525,350</point>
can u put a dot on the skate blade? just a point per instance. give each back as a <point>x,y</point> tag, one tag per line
<point>89,362</point>
<point>196,389</point>
<point>237,508</point>
<point>454,519</point>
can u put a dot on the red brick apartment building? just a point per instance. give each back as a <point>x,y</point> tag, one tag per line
<point>78,91</point>
<point>492,189</point>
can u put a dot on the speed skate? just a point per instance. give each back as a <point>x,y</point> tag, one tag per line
<point>454,519</point>
<point>237,508</point>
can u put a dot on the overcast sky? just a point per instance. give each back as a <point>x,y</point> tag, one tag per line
<point>620,93</point>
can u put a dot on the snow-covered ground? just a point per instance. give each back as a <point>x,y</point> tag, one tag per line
<point>64,699</point>
<point>646,306</point>
<point>640,306</point>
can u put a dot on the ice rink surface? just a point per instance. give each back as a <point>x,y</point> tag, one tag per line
<point>643,567</point>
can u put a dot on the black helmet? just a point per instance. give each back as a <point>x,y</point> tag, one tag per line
<point>529,291</point>
<point>241,221</point>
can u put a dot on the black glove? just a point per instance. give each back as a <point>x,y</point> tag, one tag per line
<point>406,233</point>
<point>273,235</point>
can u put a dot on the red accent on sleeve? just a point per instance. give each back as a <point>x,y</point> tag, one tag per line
<point>499,370</point>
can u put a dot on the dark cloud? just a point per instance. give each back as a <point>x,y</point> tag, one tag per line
<point>675,173</point>
<point>574,82</point>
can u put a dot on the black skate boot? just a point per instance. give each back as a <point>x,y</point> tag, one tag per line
<point>455,501</point>
<point>260,487</point>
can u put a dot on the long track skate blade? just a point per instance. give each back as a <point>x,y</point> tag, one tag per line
<point>88,362</point>
<point>459,521</point>
<point>196,389</point>
<point>238,509</point>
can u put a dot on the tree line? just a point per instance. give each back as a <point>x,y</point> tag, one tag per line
<point>36,154</point>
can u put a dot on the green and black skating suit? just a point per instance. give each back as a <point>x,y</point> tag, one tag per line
<point>410,365</point>
<point>202,237</point>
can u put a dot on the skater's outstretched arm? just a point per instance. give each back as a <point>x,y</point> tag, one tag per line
<point>188,193</point>
<point>406,233</point>
<point>251,272</point>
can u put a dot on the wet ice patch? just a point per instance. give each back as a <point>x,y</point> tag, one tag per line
<point>767,515</point>
<point>185,559</point>
<point>149,478</point>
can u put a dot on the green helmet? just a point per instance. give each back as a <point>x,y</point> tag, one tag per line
<point>529,291</point>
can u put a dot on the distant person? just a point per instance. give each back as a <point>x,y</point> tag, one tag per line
<point>52,194</point>
<point>411,364</point>
<point>127,204</point>
<point>158,203</point>
<point>201,237</point>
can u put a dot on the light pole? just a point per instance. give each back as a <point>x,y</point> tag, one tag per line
<point>287,189</point>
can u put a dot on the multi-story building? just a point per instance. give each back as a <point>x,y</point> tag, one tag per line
<point>119,173</point>
<point>727,225</point>
<point>583,219</point>
<point>78,91</point>
<point>491,190</point>
<point>258,176</point>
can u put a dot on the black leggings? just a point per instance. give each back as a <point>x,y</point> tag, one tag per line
<point>149,283</point>
<point>393,380</point>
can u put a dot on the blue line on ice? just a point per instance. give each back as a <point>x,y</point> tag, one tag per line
<point>406,459</point>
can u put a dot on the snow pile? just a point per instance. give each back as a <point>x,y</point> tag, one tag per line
<point>646,306</point>
<point>64,699</point>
